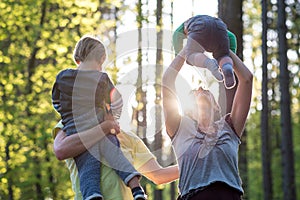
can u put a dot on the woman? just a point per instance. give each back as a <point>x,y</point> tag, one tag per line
<point>207,149</point>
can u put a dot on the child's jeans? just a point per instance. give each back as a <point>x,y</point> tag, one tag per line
<point>88,164</point>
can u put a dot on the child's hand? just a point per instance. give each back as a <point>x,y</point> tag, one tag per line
<point>113,124</point>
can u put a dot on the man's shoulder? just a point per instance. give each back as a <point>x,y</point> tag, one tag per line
<point>128,138</point>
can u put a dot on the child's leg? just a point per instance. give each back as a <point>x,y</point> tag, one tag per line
<point>116,160</point>
<point>220,49</point>
<point>197,59</point>
<point>89,173</point>
<point>201,60</point>
<point>136,189</point>
<point>226,64</point>
<point>195,55</point>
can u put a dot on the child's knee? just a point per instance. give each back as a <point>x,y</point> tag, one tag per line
<point>190,59</point>
<point>196,59</point>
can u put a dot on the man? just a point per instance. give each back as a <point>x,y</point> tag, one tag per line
<point>134,149</point>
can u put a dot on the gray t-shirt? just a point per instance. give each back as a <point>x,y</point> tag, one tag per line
<point>206,159</point>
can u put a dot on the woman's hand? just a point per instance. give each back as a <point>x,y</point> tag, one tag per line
<point>182,53</point>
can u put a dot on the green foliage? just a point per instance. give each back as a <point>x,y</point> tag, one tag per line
<point>37,41</point>
<point>252,15</point>
<point>254,157</point>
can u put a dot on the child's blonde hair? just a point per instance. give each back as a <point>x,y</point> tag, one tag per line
<point>89,48</point>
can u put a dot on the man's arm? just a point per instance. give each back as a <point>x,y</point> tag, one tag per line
<point>158,174</point>
<point>73,145</point>
<point>145,162</point>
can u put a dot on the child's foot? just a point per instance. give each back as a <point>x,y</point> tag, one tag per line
<point>138,193</point>
<point>229,79</point>
<point>213,67</point>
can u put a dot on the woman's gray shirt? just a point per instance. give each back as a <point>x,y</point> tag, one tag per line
<point>202,159</point>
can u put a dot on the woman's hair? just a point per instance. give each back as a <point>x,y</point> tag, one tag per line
<point>89,48</point>
<point>210,98</point>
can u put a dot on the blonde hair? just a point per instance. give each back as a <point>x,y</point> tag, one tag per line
<point>89,48</point>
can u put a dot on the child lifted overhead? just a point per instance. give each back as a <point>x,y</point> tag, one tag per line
<point>206,33</point>
<point>83,97</point>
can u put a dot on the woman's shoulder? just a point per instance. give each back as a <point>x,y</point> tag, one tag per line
<point>187,125</point>
<point>226,123</point>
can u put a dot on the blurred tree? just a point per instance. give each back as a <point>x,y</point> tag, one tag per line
<point>232,13</point>
<point>37,40</point>
<point>287,149</point>
<point>158,142</point>
<point>140,110</point>
<point>271,91</point>
<point>265,137</point>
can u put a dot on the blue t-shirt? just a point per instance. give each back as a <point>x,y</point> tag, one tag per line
<point>205,159</point>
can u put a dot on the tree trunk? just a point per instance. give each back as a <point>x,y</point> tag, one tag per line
<point>231,13</point>
<point>173,195</point>
<point>265,137</point>
<point>140,112</point>
<point>8,171</point>
<point>285,119</point>
<point>31,68</point>
<point>158,77</point>
<point>38,176</point>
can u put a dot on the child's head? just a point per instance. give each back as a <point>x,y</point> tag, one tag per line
<point>89,48</point>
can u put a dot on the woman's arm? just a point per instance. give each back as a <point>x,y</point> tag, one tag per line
<point>170,103</point>
<point>73,145</point>
<point>242,99</point>
<point>158,174</point>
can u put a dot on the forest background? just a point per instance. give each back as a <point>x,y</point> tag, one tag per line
<point>37,38</point>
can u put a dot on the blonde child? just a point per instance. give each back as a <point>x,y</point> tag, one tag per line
<point>83,96</point>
